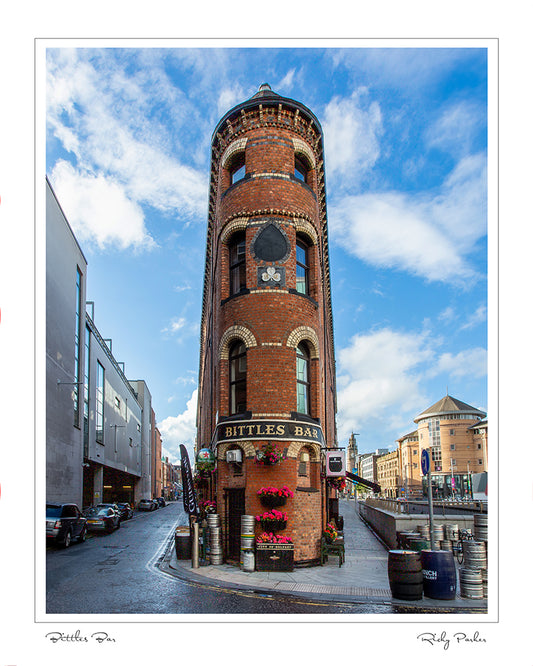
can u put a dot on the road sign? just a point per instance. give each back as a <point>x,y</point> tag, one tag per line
<point>424,461</point>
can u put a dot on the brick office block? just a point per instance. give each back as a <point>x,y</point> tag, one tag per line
<point>267,369</point>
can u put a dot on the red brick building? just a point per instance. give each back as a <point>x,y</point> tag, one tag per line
<point>267,369</point>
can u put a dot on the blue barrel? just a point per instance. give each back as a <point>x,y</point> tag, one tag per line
<point>439,575</point>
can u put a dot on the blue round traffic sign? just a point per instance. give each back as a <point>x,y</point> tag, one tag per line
<point>424,462</point>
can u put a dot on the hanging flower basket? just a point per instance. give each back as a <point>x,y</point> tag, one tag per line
<point>207,507</point>
<point>205,468</point>
<point>269,455</point>
<point>337,482</point>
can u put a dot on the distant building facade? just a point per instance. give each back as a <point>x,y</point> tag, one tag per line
<point>157,463</point>
<point>410,479</point>
<point>456,435</point>
<point>387,472</point>
<point>98,441</point>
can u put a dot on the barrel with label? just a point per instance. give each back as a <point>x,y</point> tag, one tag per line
<point>405,574</point>
<point>183,543</point>
<point>439,575</point>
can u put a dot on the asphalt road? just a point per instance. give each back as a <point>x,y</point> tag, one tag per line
<point>118,574</point>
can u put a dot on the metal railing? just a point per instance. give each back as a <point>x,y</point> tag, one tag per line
<point>403,506</point>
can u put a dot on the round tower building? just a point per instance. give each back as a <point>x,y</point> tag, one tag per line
<point>266,399</point>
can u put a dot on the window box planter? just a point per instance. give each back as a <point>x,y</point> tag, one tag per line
<point>274,557</point>
<point>273,525</point>
<point>272,501</point>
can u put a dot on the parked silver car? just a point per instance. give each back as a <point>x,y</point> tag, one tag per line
<point>147,505</point>
<point>102,519</point>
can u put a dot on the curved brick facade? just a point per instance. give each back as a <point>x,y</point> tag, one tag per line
<point>267,193</point>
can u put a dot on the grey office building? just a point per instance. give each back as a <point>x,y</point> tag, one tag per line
<point>98,424</point>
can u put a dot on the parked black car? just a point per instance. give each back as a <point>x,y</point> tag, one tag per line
<point>102,519</point>
<point>161,501</point>
<point>125,509</point>
<point>65,522</point>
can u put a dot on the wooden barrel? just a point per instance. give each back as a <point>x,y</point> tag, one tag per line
<point>440,577</point>
<point>183,543</point>
<point>405,574</point>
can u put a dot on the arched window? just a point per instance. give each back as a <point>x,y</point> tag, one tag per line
<point>302,267</point>
<point>237,263</point>
<point>302,379</point>
<point>237,168</point>
<point>300,169</point>
<point>237,378</point>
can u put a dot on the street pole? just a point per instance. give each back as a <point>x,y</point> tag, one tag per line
<point>430,504</point>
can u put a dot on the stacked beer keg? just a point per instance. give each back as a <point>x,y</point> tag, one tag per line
<point>247,543</point>
<point>473,575</point>
<point>215,545</point>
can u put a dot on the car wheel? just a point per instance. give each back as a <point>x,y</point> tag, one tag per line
<point>67,539</point>
<point>83,535</point>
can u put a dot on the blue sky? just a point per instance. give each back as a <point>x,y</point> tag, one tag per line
<point>128,138</point>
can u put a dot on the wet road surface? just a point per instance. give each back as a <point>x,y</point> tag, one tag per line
<point>118,574</point>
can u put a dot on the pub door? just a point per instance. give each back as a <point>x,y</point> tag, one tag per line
<point>234,506</point>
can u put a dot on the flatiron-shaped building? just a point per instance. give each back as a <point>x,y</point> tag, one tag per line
<point>266,401</point>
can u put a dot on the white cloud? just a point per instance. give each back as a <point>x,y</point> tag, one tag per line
<point>477,317</point>
<point>380,378</point>
<point>428,235</point>
<point>402,68</point>
<point>175,325</point>
<point>181,429</point>
<point>124,127</point>
<point>228,98</point>
<point>351,134</point>
<point>453,132</point>
<point>99,210</point>
<point>468,363</point>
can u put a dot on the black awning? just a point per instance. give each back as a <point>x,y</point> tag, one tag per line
<point>364,482</point>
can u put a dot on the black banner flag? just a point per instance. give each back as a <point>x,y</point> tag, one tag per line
<point>189,496</point>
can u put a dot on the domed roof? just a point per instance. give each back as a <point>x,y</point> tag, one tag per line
<point>267,95</point>
<point>265,91</point>
<point>449,405</point>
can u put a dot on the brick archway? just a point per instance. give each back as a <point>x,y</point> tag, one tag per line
<point>304,333</point>
<point>232,333</point>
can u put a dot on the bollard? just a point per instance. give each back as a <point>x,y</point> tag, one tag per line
<point>195,563</point>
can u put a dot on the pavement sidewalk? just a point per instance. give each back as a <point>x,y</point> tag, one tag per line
<point>363,578</point>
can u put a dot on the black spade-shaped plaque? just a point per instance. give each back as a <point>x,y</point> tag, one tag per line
<point>270,244</point>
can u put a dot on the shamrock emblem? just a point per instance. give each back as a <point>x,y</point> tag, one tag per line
<point>271,274</point>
